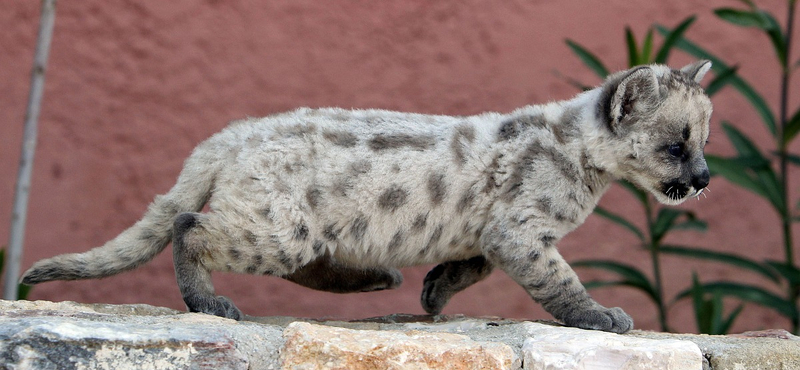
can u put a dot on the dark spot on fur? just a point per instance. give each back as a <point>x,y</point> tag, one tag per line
<point>491,170</point>
<point>466,131</point>
<point>298,130</point>
<point>313,196</point>
<point>234,253</point>
<point>153,238</point>
<point>524,162</point>
<point>545,205</point>
<point>567,128</point>
<point>419,222</point>
<point>466,201</point>
<point>317,247</point>
<point>534,255</point>
<point>396,141</point>
<point>342,185</point>
<point>360,167</point>
<point>397,240</point>
<point>266,213</point>
<point>511,128</point>
<point>547,240</point>
<point>330,232</point>
<point>463,135</point>
<point>436,188</point>
<point>434,239</point>
<point>250,237</point>
<point>301,231</point>
<point>285,260</point>
<point>686,133</point>
<point>341,138</point>
<point>393,198</point>
<point>359,227</point>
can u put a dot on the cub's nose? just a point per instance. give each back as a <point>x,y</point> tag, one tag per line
<point>701,181</point>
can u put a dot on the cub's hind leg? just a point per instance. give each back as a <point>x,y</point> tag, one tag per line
<point>189,246</point>
<point>449,278</point>
<point>327,275</point>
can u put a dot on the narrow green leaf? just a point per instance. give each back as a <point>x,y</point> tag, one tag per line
<point>793,159</point>
<point>764,175</point>
<point>756,100</point>
<point>640,194</point>
<point>619,220</point>
<point>792,127</point>
<point>789,272</point>
<point>645,57</point>
<point>23,291</point>
<point>744,146</point>
<point>630,275</point>
<point>664,221</point>
<point>734,172</point>
<point>749,293</point>
<point>720,80</point>
<point>775,34</point>
<point>671,39</point>
<point>725,326</point>
<point>588,59</point>
<point>633,52</point>
<point>691,224</point>
<point>742,18</point>
<point>722,257</point>
<point>701,312</point>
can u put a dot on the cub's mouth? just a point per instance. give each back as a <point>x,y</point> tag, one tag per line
<point>675,191</point>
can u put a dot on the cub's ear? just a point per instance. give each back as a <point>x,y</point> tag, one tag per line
<point>697,70</point>
<point>637,91</point>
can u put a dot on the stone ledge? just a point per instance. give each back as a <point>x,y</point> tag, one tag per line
<point>66,335</point>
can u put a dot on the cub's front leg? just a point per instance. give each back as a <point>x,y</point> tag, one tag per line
<point>531,259</point>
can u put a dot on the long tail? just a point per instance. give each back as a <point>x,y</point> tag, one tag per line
<point>144,240</point>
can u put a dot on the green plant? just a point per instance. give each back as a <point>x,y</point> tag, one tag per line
<point>22,290</point>
<point>662,220</point>
<point>767,175</point>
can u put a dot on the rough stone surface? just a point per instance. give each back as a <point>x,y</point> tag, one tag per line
<point>735,353</point>
<point>553,348</point>
<point>66,335</point>
<point>310,346</point>
<point>45,335</point>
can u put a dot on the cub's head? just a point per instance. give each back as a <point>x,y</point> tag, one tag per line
<point>656,123</point>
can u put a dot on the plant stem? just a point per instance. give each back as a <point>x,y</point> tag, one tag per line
<point>654,247</point>
<point>788,244</point>
<point>20,208</point>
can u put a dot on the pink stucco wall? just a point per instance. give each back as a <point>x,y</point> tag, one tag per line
<point>132,86</point>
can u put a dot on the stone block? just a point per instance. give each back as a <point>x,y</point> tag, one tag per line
<point>66,336</point>
<point>309,346</point>
<point>557,348</point>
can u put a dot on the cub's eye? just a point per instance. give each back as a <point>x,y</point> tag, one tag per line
<point>675,150</point>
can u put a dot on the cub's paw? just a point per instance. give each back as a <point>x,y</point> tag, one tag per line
<point>433,298</point>
<point>218,306</point>
<point>600,318</point>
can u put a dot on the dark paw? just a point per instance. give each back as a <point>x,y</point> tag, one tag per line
<point>600,318</point>
<point>218,306</point>
<point>432,300</point>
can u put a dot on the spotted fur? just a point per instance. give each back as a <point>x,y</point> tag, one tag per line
<point>338,199</point>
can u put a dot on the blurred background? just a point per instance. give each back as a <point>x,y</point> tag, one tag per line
<point>133,86</point>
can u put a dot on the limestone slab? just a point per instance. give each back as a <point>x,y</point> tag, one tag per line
<point>309,346</point>
<point>558,348</point>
